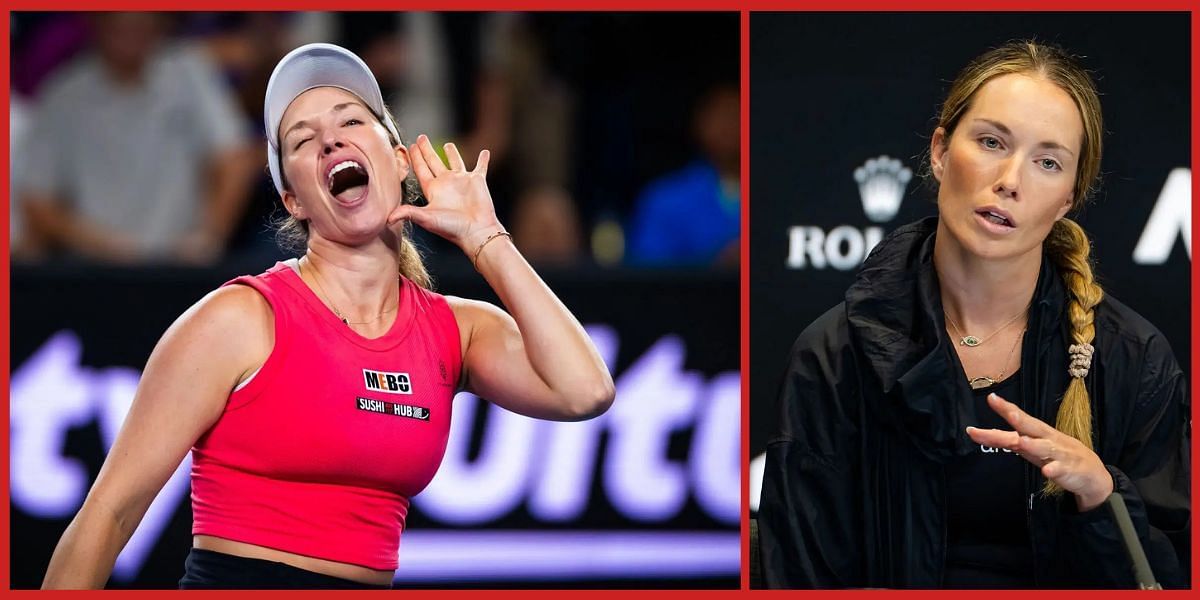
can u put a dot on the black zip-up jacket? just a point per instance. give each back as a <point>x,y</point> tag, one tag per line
<point>874,404</point>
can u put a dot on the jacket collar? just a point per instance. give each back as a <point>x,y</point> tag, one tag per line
<point>897,325</point>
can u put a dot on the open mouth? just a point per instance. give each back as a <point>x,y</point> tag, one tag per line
<point>348,181</point>
<point>996,218</point>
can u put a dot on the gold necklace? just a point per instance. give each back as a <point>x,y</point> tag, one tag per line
<point>985,381</point>
<point>972,341</point>
<point>337,312</point>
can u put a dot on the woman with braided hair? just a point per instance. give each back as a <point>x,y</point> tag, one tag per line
<point>961,418</point>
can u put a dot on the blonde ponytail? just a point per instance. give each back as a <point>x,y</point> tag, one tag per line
<point>411,265</point>
<point>1068,246</point>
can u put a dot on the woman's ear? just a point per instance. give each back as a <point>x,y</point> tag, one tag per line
<point>937,152</point>
<point>293,206</point>
<point>402,163</point>
<point>1066,207</point>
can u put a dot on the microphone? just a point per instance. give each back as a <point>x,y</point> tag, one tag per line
<point>1141,567</point>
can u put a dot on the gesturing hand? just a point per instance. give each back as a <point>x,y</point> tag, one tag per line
<point>460,205</point>
<point>1063,459</point>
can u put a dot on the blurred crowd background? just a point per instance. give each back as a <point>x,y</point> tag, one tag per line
<point>137,137</point>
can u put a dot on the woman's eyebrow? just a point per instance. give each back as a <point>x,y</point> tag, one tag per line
<point>345,105</point>
<point>297,125</point>
<point>997,124</point>
<point>336,108</point>
<point>1006,131</point>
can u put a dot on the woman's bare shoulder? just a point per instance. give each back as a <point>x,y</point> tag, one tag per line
<point>232,308</point>
<point>233,325</point>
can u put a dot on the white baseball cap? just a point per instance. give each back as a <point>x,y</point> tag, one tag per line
<point>308,67</point>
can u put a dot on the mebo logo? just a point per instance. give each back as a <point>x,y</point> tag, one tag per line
<point>1170,220</point>
<point>389,383</point>
<point>881,185</point>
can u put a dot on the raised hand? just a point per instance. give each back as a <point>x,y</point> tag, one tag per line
<point>460,206</point>
<point>1062,458</point>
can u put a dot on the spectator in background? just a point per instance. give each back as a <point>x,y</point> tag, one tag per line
<point>545,227</point>
<point>20,247</point>
<point>691,216</point>
<point>136,152</point>
<point>482,78</point>
<point>245,46</point>
<point>540,112</point>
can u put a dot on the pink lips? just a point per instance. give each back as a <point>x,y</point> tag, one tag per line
<point>988,213</point>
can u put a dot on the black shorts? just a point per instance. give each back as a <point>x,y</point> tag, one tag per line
<point>208,570</point>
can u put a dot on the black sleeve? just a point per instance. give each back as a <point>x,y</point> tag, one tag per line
<point>809,523</point>
<point>1152,474</point>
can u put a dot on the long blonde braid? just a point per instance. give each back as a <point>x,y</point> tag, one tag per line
<point>1068,246</point>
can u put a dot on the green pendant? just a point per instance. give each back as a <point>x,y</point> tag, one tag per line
<point>970,340</point>
<point>982,382</point>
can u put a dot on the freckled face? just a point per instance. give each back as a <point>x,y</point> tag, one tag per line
<point>1007,172</point>
<point>344,175</point>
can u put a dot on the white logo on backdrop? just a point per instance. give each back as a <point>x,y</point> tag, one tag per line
<point>881,185</point>
<point>1170,220</point>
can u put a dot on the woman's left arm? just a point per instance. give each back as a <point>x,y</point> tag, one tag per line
<point>539,361</point>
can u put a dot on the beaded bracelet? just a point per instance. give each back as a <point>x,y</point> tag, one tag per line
<point>475,261</point>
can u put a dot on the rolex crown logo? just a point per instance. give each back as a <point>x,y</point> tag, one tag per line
<point>881,183</point>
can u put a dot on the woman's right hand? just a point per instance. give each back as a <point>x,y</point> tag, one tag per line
<point>1061,458</point>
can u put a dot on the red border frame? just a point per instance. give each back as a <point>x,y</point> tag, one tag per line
<point>742,6</point>
<point>1195,281</point>
<point>744,276</point>
<point>4,303</point>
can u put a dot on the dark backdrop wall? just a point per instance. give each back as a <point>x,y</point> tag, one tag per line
<point>828,92</point>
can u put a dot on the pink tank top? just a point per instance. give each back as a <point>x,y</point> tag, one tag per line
<point>320,451</point>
